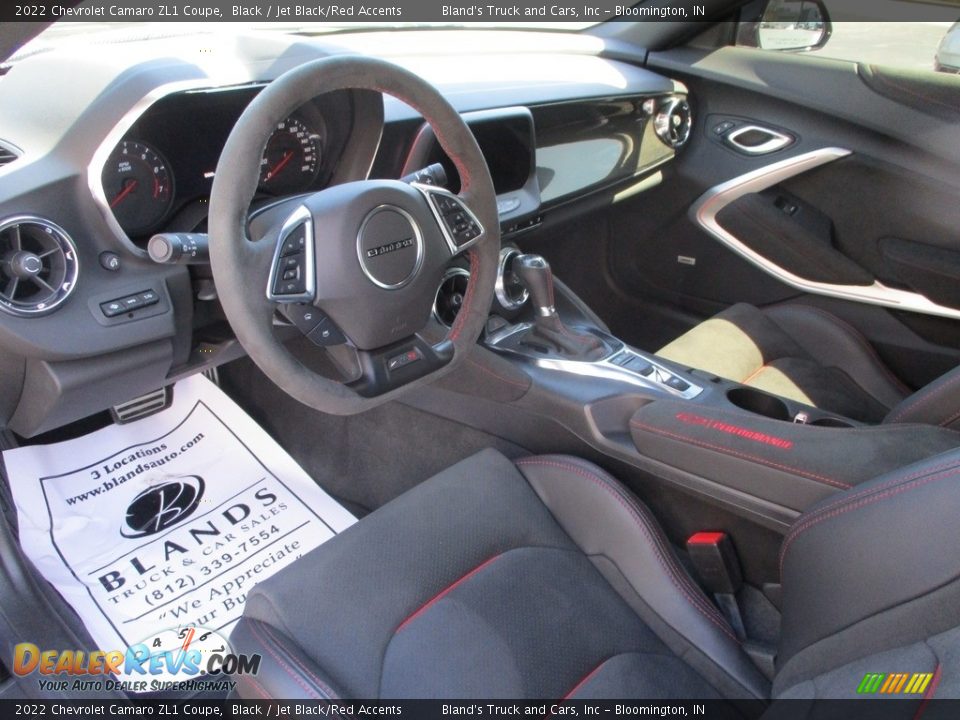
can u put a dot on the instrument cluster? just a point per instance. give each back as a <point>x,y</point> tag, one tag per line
<point>159,175</point>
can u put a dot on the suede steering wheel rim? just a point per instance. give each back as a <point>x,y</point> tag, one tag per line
<point>363,236</point>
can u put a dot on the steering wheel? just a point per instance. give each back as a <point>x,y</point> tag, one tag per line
<point>355,266</point>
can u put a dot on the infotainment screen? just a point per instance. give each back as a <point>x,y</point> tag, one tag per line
<point>506,140</point>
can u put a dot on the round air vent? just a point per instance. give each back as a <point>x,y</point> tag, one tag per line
<point>672,121</point>
<point>38,266</point>
<point>510,292</point>
<point>450,295</point>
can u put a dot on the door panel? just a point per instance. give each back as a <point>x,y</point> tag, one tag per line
<point>879,218</point>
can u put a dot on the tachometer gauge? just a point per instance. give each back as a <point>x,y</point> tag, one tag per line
<point>291,158</point>
<point>138,186</point>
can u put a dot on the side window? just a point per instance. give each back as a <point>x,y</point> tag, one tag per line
<point>914,36</point>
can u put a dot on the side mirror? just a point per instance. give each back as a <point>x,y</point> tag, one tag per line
<point>788,25</point>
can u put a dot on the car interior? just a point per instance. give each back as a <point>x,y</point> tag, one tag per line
<point>634,348</point>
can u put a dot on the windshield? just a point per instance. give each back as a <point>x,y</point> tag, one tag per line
<point>67,32</point>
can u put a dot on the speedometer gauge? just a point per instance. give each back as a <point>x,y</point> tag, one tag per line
<point>291,159</point>
<point>138,186</point>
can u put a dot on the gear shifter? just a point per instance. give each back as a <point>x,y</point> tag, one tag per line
<point>535,274</point>
<point>548,329</point>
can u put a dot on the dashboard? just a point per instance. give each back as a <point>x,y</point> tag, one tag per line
<point>127,144</point>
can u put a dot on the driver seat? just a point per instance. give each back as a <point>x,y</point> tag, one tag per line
<point>546,578</point>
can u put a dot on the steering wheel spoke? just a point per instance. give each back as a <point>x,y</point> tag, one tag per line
<point>459,226</point>
<point>395,365</point>
<point>293,272</point>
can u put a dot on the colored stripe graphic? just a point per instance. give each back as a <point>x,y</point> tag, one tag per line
<point>894,683</point>
<point>870,683</point>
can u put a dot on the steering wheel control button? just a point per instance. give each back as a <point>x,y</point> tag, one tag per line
<point>390,247</point>
<point>295,243</point>
<point>292,272</point>
<point>459,221</point>
<point>403,359</point>
<point>460,227</point>
<point>290,284</point>
<point>304,317</point>
<point>326,334</point>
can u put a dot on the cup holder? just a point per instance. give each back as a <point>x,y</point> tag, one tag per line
<point>759,402</point>
<point>831,422</point>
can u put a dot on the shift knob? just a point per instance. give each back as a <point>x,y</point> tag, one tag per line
<point>535,274</point>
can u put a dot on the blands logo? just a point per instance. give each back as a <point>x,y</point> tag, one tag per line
<point>157,508</point>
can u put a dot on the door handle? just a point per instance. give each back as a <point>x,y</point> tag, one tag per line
<point>758,140</point>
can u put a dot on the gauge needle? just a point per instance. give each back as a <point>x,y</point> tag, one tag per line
<point>123,193</point>
<point>287,156</point>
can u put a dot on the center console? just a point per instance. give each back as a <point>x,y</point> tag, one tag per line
<point>763,456</point>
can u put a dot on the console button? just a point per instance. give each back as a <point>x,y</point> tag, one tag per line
<point>129,303</point>
<point>639,366</point>
<point>112,308</point>
<point>677,383</point>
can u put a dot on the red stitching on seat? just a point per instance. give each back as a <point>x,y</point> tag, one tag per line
<point>443,593</point>
<point>850,497</point>
<point>256,686</point>
<point>296,677</point>
<point>853,506</point>
<point>950,420</point>
<point>861,340</point>
<point>746,456</point>
<point>700,605</point>
<point>931,690</point>
<point>293,658</point>
<point>751,376</point>
<point>909,407</point>
<point>586,678</point>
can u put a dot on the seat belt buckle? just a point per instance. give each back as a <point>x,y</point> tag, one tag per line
<point>718,568</point>
<point>716,562</point>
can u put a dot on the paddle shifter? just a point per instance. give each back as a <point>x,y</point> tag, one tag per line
<point>548,329</point>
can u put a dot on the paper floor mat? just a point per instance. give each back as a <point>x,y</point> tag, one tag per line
<point>168,522</point>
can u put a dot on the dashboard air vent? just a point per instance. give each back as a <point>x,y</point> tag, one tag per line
<point>509,291</point>
<point>38,266</point>
<point>672,121</point>
<point>450,295</point>
<point>6,155</point>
